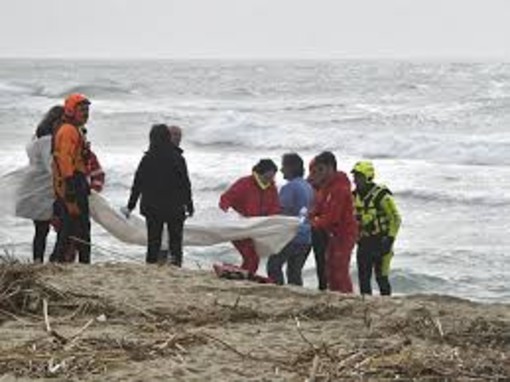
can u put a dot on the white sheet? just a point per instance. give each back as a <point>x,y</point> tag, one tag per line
<point>270,234</point>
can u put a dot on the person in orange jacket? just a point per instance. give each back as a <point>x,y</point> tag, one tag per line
<point>334,214</point>
<point>70,180</point>
<point>96,178</point>
<point>254,195</point>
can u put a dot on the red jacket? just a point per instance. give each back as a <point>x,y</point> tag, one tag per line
<point>95,172</point>
<point>247,198</point>
<point>334,208</point>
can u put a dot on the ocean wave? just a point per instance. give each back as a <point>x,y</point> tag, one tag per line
<point>407,281</point>
<point>19,89</point>
<point>244,131</point>
<point>91,90</point>
<point>444,198</point>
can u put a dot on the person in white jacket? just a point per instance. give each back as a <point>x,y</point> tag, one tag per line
<point>35,195</point>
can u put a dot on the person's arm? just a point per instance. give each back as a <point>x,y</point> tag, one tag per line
<point>67,142</point>
<point>329,217</point>
<point>190,208</point>
<point>97,175</point>
<point>46,154</point>
<point>390,210</point>
<point>136,188</point>
<point>286,199</point>
<point>232,197</point>
<point>274,207</point>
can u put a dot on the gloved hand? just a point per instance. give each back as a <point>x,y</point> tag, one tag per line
<point>126,212</point>
<point>190,210</point>
<point>70,191</point>
<point>224,207</point>
<point>387,244</point>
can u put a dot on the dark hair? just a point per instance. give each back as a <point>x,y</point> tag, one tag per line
<point>295,164</point>
<point>49,122</point>
<point>326,158</point>
<point>159,137</point>
<point>264,166</point>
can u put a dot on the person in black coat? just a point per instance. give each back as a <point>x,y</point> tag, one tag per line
<point>163,183</point>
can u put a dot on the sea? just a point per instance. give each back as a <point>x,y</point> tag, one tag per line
<point>437,132</point>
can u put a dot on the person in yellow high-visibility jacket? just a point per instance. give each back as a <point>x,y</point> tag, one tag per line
<point>70,180</point>
<point>379,222</point>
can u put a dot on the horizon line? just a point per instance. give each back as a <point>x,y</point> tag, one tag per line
<point>450,59</point>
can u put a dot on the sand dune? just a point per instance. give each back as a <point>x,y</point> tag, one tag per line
<point>128,322</point>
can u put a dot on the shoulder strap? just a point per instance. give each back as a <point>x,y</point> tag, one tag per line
<point>379,195</point>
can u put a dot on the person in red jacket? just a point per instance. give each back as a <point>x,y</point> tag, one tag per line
<point>254,195</point>
<point>334,214</point>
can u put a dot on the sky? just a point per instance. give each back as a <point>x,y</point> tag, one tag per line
<point>256,29</point>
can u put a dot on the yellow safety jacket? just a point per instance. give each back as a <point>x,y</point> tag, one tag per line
<point>377,213</point>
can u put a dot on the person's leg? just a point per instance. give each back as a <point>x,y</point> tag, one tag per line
<point>364,260</point>
<point>296,262</point>
<point>83,229</point>
<point>154,233</point>
<point>66,227</point>
<point>275,264</point>
<point>250,258</point>
<point>175,235</point>
<point>42,228</point>
<point>319,244</point>
<point>338,259</point>
<point>382,271</point>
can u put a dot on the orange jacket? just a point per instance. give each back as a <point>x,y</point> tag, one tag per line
<point>334,208</point>
<point>68,159</point>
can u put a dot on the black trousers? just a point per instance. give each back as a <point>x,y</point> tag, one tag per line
<point>175,226</point>
<point>319,245</point>
<point>295,256</point>
<point>42,228</point>
<point>370,258</point>
<point>74,230</point>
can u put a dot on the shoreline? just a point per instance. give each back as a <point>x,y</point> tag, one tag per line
<point>125,321</point>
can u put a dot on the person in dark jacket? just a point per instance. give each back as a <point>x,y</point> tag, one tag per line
<point>163,184</point>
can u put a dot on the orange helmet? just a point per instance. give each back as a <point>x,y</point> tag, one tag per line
<point>72,102</point>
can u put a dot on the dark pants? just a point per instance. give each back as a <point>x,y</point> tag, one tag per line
<point>319,245</point>
<point>74,231</point>
<point>42,228</point>
<point>175,226</point>
<point>295,256</point>
<point>370,257</point>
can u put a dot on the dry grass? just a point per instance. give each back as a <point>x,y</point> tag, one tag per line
<point>419,344</point>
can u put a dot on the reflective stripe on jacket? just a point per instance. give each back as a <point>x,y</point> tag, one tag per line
<point>377,213</point>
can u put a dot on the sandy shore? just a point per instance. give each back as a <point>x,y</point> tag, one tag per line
<point>128,322</point>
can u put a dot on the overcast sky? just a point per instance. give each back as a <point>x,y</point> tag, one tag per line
<point>430,29</point>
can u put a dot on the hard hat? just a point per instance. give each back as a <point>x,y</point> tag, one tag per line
<point>365,168</point>
<point>72,102</point>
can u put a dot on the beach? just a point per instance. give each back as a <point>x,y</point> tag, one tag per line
<point>130,322</point>
<point>437,134</point>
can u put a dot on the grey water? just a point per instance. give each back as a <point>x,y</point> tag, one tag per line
<point>438,133</point>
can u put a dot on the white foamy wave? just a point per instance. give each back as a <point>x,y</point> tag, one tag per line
<point>16,89</point>
<point>249,131</point>
<point>448,197</point>
<point>103,90</point>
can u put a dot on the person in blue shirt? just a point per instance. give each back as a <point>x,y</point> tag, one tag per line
<point>296,198</point>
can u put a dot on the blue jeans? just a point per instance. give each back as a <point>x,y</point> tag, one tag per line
<point>295,255</point>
